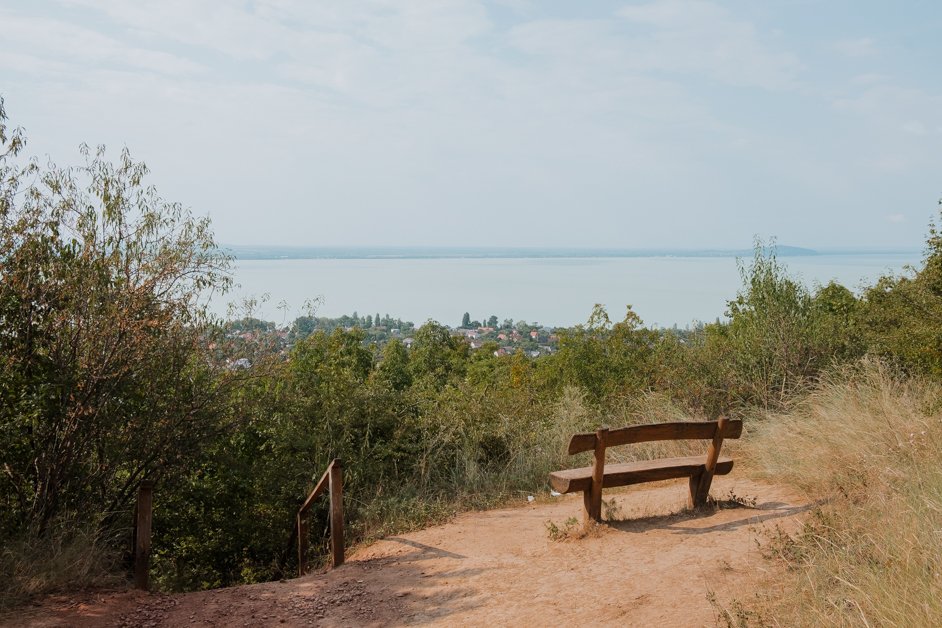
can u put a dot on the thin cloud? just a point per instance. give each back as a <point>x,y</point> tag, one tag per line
<point>660,122</point>
<point>856,48</point>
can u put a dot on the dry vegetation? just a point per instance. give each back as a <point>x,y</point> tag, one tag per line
<point>70,559</point>
<point>867,443</point>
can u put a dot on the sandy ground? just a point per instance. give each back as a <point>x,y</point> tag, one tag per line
<point>652,565</point>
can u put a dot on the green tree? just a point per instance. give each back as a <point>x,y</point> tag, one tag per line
<point>901,315</point>
<point>103,378</point>
<point>466,320</point>
<point>780,335</point>
<point>436,354</point>
<point>394,369</point>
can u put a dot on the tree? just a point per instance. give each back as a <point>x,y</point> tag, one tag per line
<point>900,315</point>
<point>770,338</point>
<point>103,377</point>
<point>435,353</point>
<point>394,369</point>
<point>492,321</point>
<point>466,320</point>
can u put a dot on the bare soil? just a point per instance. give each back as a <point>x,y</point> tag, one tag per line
<point>652,564</point>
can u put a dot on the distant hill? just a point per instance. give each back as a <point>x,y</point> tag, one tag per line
<point>252,252</point>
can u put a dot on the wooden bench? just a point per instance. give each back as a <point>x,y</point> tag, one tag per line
<point>699,469</point>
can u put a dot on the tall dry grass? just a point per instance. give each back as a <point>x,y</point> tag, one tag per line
<point>868,443</point>
<point>67,558</point>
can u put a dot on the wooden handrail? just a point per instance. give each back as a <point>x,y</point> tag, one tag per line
<point>333,481</point>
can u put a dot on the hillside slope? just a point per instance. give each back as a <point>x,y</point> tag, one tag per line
<point>649,567</point>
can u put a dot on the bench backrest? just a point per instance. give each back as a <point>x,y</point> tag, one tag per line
<point>681,430</point>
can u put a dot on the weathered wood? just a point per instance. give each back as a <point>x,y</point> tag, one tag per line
<point>332,480</point>
<point>303,540</point>
<point>709,467</point>
<point>580,443</point>
<point>574,480</point>
<point>336,513</point>
<point>318,489</point>
<point>142,533</point>
<point>681,430</point>
<point>594,510</point>
<point>693,486</point>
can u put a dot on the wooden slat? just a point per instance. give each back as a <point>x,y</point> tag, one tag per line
<point>685,430</point>
<point>573,480</point>
<point>581,442</point>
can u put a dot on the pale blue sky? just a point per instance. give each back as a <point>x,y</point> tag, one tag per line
<point>664,123</point>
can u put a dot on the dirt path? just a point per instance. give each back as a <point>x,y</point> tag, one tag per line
<point>649,567</point>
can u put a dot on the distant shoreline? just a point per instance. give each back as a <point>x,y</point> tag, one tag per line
<point>252,252</point>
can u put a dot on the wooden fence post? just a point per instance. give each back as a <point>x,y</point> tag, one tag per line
<point>142,532</point>
<point>303,534</point>
<point>336,513</point>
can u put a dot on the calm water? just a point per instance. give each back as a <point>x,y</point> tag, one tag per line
<point>556,291</point>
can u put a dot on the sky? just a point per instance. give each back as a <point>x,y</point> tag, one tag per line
<point>657,123</point>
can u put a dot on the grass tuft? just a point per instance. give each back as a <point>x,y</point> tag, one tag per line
<point>868,442</point>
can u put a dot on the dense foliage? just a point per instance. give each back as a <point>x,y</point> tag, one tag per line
<point>111,372</point>
<point>101,333</point>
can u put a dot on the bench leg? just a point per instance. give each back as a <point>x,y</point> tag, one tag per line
<point>593,505</point>
<point>593,496</point>
<point>694,490</point>
<point>703,488</point>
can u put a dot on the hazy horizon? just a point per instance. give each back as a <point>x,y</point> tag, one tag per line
<point>273,252</point>
<point>663,290</point>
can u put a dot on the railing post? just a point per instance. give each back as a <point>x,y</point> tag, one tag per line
<point>336,512</point>
<point>142,532</point>
<point>303,539</point>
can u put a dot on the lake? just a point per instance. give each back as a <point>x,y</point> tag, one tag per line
<point>557,291</point>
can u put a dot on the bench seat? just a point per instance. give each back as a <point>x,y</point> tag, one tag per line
<point>574,480</point>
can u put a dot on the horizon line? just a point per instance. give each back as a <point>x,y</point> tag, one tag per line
<point>293,251</point>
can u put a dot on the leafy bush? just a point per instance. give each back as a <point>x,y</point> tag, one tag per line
<point>102,383</point>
